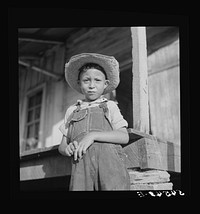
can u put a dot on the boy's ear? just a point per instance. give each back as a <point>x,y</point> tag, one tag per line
<point>107,83</point>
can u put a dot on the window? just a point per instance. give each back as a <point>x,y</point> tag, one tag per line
<point>33,120</point>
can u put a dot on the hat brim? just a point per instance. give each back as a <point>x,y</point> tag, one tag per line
<point>109,63</point>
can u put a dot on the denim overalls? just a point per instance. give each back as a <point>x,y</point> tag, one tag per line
<point>103,165</point>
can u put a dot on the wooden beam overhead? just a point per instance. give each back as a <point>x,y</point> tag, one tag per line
<point>29,57</point>
<point>40,41</point>
<point>48,73</point>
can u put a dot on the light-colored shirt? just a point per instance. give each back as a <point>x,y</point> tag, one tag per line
<point>114,115</point>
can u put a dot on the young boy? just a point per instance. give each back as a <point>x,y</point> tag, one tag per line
<point>94,128</point>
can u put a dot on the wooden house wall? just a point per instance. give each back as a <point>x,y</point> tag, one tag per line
<point>164,93</point>
<point>52,104</point>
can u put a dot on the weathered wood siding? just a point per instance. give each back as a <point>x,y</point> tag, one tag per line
<point>164,93</point>
<point>52,105</point>
<point>115,41</point>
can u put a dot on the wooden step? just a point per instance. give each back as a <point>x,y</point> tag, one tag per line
<point>150,180</point>
<point>149,176</point>
<point>156,186</point>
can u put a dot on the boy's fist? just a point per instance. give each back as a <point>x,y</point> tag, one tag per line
<point>71,147</point>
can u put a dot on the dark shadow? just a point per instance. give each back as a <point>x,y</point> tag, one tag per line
<point>124,96</point>
<point>175,177</point>
<point>170,156</point>
<point>46,184</point>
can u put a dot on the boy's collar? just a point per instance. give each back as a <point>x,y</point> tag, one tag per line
<point>99,100</point>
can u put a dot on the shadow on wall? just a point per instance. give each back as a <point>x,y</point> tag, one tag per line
<point>55,164</point>
<point>45,168</point>
<point>57,170</point>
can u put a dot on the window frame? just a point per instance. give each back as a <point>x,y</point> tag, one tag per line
<point>30,93</point>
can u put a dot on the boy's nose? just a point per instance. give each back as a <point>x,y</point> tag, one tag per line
<point>91,84</point>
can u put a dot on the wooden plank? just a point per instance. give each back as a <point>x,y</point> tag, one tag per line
<point>150,154</point>
<point>162,39</point>
<point>147,187</point>
<point>164,59</point>
<point>40,41</point>
<point>140,80</point>
<point>133,159</point>
<point>107,40</point>
<point>44,167</point>
<point>135,135</point>
<point>59,62</point>
<point>149,176</point>
<point>98,36</point>
<point>164,91</point>
<point>39,152</point>
<point>48,73</point>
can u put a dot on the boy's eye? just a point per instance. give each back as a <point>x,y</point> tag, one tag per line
<point>97,80</point>
<point>85,80</point>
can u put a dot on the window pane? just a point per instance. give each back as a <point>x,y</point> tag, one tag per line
<point>33,122</point>
<point>38,98</point>
<point>31,143</point>
<point>30,131</point>
<point>37,112</point>
<point>37,130</point>
<point>31,102</point>
<point>30,116</point>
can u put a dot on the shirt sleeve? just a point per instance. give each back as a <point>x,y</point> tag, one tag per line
<point>63,128</point>
<point>116,118</point>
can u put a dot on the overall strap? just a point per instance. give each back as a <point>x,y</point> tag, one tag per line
<point>68,124</point>
<point>104,106</point>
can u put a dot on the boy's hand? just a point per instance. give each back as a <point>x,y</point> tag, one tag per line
<point>83,146</point>
<point>71,147</point>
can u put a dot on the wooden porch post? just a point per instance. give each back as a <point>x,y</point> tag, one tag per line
<point>146,151</point>
<point>140,80</point>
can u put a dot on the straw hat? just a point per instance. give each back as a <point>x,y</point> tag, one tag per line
<point>109,63</point>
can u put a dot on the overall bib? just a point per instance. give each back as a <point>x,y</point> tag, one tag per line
<point>103,166</point>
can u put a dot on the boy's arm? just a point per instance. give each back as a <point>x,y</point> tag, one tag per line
<point>63,145</point>
<point>119,136</point>
<point>64,142</point>
<point>116,136</point>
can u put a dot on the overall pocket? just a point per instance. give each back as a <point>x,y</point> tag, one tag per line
<point>96,122</point>
<point>78,123</point>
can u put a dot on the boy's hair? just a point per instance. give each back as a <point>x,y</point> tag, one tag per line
<point>87,66</point>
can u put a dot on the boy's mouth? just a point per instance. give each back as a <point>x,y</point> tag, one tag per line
<point>91,92</point>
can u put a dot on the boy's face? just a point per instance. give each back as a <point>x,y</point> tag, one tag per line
<point>92,83</point>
